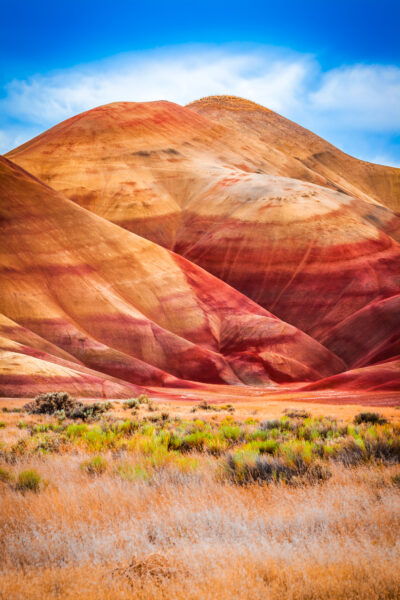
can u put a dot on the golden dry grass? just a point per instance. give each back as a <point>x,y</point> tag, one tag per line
<point>186,534</point>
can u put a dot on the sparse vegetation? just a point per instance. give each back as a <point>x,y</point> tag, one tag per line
<point>289,438</point>
<point>198,506</point>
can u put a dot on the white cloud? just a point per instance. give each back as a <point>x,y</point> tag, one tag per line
<point>360,98</point>
<point>12,136</point>
<point>180,76</point>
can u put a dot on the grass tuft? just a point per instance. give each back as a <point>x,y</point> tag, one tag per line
<point>29,480</point>
<point>95,466</point>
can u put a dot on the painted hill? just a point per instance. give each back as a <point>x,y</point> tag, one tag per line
<point>338,170</point>
<point>95,296</point>
<point>138,163</point>
<point>381,377</point>
<point>250,197</point>
<point>29,364</point>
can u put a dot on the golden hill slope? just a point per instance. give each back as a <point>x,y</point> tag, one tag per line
<point>339,170</point>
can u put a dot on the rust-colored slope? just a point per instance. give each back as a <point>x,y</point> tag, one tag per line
<point>11,331</point>
<point>21,376</point>
<point>303,252</point>
<point>138,163</point>
<point>125,306</point>
<point>338,170</point>
<point>370,335</point>
<point>216,195</point>
<point>24,375</point>
<point>101,158</point>
<point>384,376</point>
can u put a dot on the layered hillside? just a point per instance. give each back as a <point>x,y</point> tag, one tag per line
<point>138,163</point>
<point>29,364</point>
<point>95,296</point>
<point>234,190</point>
<point>381,377</point>
<point>338,170</point>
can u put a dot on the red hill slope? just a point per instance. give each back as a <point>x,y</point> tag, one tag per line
<point>123,306</point>
<point>234,189</point>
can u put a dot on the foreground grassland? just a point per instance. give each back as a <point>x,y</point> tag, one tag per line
<point>200,502</point>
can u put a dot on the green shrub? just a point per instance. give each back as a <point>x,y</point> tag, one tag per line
<point>193,441</point>
<point>98,440</point>
<point>29,480</point>
<point>60,415</point>
<point>62,405</point>
<point>131,403</point>
<point>315,428</point>
<point>396,480</point>
<point>382,445</point>
<point>89,412</point>
<point>154,418</point>
<point>351,452</point>
<point>143,399</point>
<point>2,424</point>
<point>271,469</point>
<point>6,476</point>
<point>279,424</point>
<point>18,449</point>
<point>258,434</point>
<point>230,432</point>
<point>128,427</point>
<point>204,405</point>
<point>216,445</point>
<point>132,472</point>
<point>297,413</point>
<point>48,404</point>
<point>95,466</point>
<point>369,417</point>
<point>42,428</point>
<point>174,442</point>
<point>267,446</point>
<point>229,407</point>
<point>76,430</point>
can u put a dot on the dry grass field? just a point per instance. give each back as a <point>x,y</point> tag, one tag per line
<point>200,502</point>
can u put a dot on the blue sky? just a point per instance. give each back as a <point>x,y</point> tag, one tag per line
<point>333,67</point>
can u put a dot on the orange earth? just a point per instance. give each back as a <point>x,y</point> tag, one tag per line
<point>216,251</point>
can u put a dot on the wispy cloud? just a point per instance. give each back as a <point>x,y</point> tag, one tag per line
<point>357,99</point>
<point>361,96</point>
